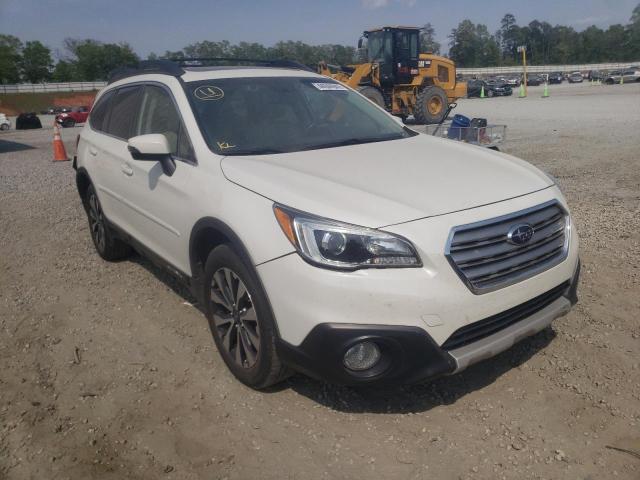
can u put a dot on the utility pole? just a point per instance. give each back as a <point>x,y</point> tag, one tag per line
<point>523,49</point>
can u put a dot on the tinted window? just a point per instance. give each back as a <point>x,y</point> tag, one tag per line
<point>159,115</point>
<point>100,110</point>
<point>124,109</point>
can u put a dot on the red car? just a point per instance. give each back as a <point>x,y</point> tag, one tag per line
<point>75,116</point>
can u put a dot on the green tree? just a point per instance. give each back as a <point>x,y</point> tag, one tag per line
<point>509,38</point>
<point>428,43</point>
<point>64,71</point>
<point>94,60</point>
<point>10,54</point>
<point>464,45</point>
<point>36,62</point>
<point>473,46</point>
<point>634,34</point>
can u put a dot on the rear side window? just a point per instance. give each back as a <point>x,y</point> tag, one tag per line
<point>159,115</point>
<point>100,111</point>
<point>124,110</point>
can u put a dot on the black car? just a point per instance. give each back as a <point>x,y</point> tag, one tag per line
<point>493,88</point>
<point>556,77</point>
<point>28,121</point>
<point>534,80</point>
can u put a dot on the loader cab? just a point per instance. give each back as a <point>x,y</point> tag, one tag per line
<point>395,50</point>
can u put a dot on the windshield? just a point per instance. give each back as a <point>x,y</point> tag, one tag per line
<point>264,115</point>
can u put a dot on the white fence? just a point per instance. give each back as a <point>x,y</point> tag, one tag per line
<point>87,86</point>
<point>52,87</point>
<point>545,68</point>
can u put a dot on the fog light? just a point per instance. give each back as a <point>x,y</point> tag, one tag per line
<point>362,356</point>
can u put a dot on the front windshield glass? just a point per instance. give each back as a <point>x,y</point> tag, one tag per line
<point>264,115</point>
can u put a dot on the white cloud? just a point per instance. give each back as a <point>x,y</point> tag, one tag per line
<point>373,4</point>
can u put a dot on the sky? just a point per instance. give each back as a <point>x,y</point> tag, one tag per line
<point>160,25</point>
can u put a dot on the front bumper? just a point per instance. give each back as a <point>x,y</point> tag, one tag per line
<point>431,300</point>
<point>409,354</point>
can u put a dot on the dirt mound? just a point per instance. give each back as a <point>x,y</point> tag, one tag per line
<point>76,100</point>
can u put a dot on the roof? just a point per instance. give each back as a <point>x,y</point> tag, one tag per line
<point>196,67</point>
<point>194,74</point>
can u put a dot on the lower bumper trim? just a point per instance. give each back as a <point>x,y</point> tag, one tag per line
<point>506,338</point>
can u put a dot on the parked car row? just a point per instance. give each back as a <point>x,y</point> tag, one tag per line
<point>631,74</point>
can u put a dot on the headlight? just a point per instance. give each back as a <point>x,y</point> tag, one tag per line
<point>343,246</point>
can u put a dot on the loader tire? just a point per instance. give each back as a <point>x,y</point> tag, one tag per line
<point>373,94</point>
<point>431,105</point>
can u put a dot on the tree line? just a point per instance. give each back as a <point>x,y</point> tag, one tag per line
<point>471,45</point>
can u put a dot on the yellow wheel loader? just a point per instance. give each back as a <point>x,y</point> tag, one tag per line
<point>399,78</point>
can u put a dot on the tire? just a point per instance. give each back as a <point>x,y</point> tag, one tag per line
<point>69,123</point>
<point>431,105</point>
<point>490,93</point>
<point>373,94</point>
<point>107,245</point>
<point>4,126</point>
<point>240,319</point>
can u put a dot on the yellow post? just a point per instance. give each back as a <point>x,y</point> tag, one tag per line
<point>524,65</point>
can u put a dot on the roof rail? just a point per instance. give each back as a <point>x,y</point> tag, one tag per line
<point>174,66</point>
<point>207,61</point>
<point>166,67</point>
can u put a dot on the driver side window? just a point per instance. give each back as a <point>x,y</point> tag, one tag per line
<point>158,114</point>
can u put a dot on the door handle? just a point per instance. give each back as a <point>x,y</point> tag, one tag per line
<point>93,151</point>
<point>126,169</point>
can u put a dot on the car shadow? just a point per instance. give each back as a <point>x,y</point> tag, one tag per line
<point>416,398</point>
<point>7,146</point>
<point>423,396</point>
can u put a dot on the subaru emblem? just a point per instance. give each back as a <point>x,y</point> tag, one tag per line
<point>520,234</point>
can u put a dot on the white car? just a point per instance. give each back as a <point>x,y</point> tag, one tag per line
<point>319,234</point>
<point>5,123</point>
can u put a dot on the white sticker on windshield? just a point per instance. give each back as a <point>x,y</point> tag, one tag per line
<point>329,86</point>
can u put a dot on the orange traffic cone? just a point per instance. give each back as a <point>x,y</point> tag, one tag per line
<point>59,152</point>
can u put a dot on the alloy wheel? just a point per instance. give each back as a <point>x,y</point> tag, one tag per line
<point>235,317</point>
<point>96,222</point>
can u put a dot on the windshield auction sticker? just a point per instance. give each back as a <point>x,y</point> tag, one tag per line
<point>208,92</point>
<point>329,86</point>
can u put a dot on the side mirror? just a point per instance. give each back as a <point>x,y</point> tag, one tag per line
<point>152,147</point>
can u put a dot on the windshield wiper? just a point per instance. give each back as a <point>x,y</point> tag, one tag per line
<point>352,141</point>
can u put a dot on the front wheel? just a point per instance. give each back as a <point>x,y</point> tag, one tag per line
<point>240,320</point>
<point>431,105</point>
<point>4,126</point>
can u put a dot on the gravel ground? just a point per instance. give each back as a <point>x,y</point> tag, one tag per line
<point>108,371</point>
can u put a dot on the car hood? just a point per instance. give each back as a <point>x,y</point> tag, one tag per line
<point>385,183</point>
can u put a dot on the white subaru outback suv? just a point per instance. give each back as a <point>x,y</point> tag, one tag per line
<point>317,232</point>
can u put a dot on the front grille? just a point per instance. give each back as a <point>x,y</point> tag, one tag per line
<point>483,328</point>
<point>485,260</point>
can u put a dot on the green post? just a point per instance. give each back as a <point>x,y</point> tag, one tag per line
<point>545,93</point>
<point>522,93</point>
